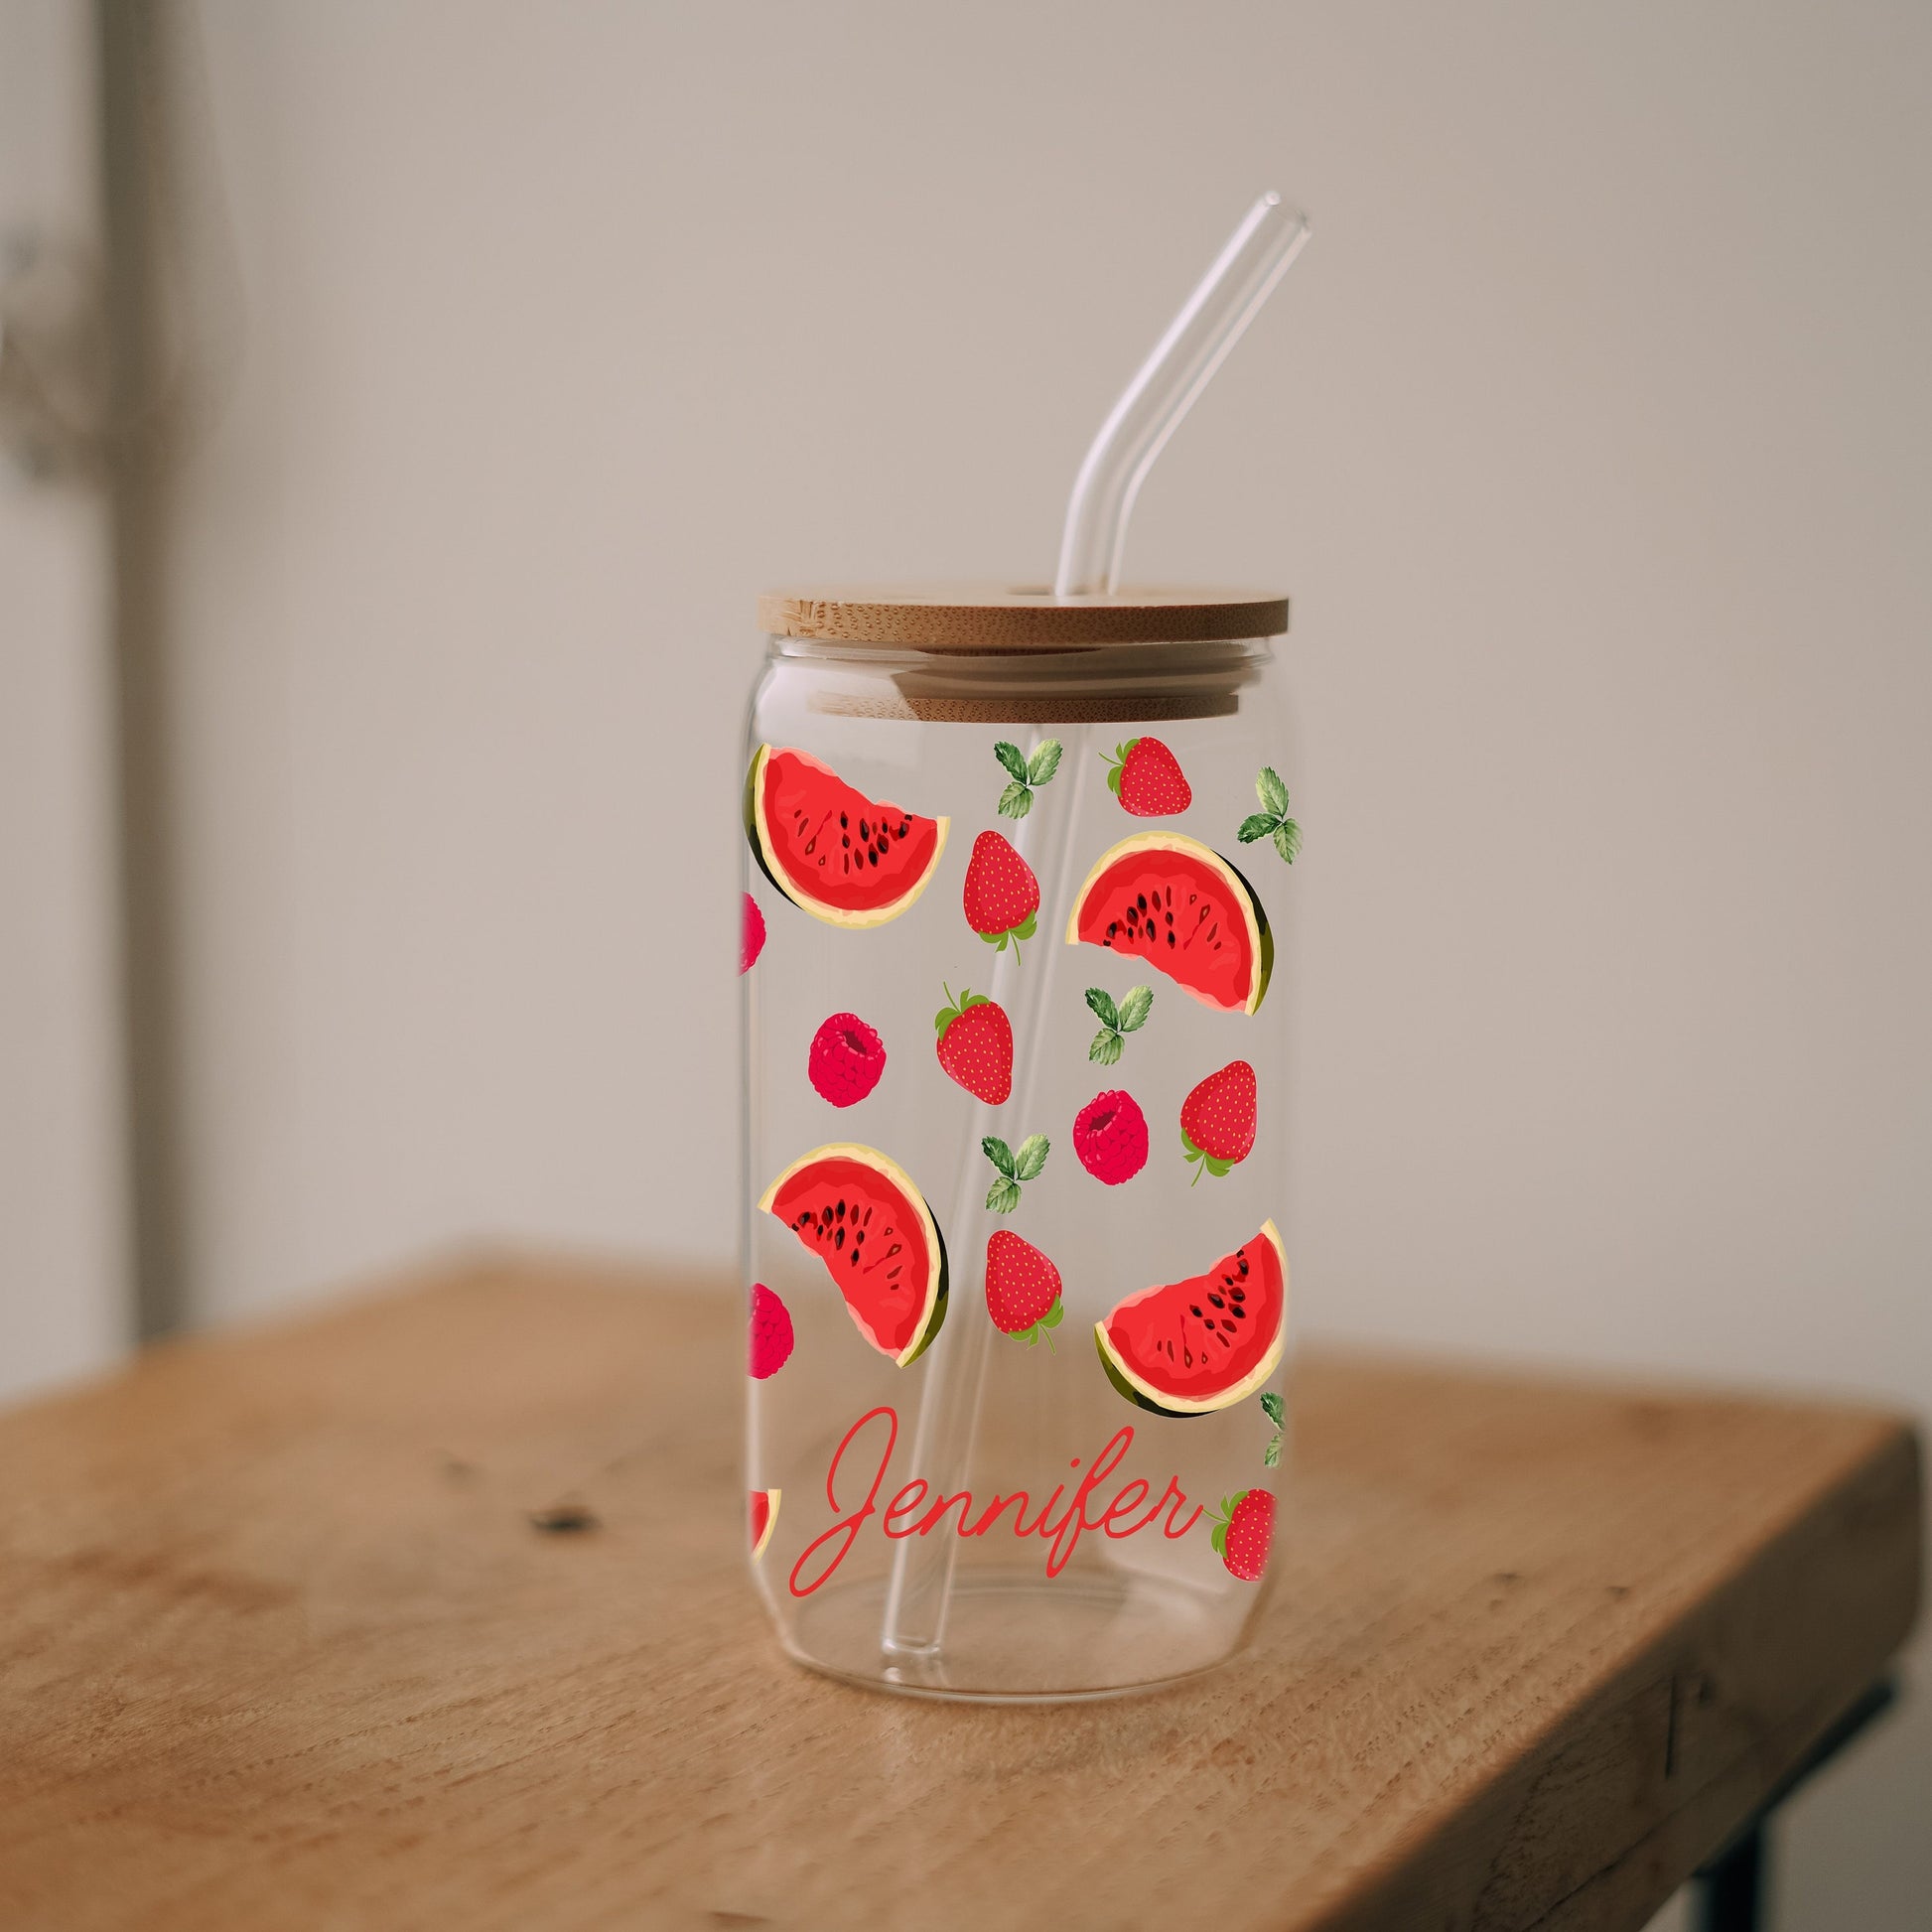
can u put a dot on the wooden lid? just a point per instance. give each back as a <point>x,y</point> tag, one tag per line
<point>972,616</point>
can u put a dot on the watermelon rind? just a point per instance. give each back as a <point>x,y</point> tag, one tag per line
<point>889,1170</point>
<point>1163,1403</point>
<point>1261,941</point>
<point>773,1499</point>
<point>765,852</point>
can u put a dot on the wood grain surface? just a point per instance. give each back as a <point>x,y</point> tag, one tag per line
<point>281,1646</point>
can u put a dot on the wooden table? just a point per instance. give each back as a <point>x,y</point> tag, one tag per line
<point>281,1645</point>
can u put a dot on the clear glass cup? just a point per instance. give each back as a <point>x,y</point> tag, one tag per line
<point>1025,1489</point>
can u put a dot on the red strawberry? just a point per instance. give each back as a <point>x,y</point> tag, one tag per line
<point>1243,1531</point>
<point>1002,894</point>
<point>1023,1288</point>
<point>1109,1137</point>
<point>846,1060</point>
<point>1217,1120</point>
<point>976,1046</point>
<point>1148,779</point>
<point>750,941</point>
<point>770,1332</point>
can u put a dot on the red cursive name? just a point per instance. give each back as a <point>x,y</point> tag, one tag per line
<point>916,1509</point>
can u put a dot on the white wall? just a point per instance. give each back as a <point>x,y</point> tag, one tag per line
<point>63,1269</point>
<point>1592,436</point>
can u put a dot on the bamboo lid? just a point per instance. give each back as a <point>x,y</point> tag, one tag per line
<point>975,618</point>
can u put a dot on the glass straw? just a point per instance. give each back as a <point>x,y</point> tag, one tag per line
<point>1136,431</point>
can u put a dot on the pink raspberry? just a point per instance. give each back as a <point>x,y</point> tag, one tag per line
<point>1109,1137</point>
<point>770,1332</point>
<point>750,940</point>
<point>847,1060</point>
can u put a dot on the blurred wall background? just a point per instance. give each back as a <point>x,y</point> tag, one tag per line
<point>1593,436</point>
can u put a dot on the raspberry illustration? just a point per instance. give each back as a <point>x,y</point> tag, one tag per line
<point>1109,1137</point>
<point>976,1046</point>
<point>750,941</point>
<point>1001,896</point>
<point>846,1060</point>
<point>1217,1120</point>
<point>771,1337</point>
<point>1243,1531</point>
<point>1148,779</point>
<point>1023,1288</point>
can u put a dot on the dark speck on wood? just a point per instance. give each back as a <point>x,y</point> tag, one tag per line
<point>563,1519</point>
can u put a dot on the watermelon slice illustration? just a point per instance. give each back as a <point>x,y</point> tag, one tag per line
<point>764,1518</point>
<point>1189,1347</point>
<point>1167,899</point>
<point>861,1214</point>
<point>847,859</point>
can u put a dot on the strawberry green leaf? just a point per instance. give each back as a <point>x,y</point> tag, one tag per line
<point>1220,1169</point>
<point>1258,825</point>
<point>1015,801</point>
<point>1271,1457</point>
<point>1274,1408</point>
<point>1028,925</point>
<point>1053,1316</point>
<point>1102,1003</point>
<point>1219,1537</point>
<point>996,940</point>
<point>1272,793</point>
<point>1001,1197</point>
<point>1044,762</point>
<point>1288,839</point>
<point>972,999</point>
<point>999,1154</point>
<point>1113,776</point>
<point>1009,755</point>
<point>1106,1047</point>
<point>1030,1157</point>
<point>1134,1008</point>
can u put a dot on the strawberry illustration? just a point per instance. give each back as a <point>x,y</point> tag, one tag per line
<point>1148,779</point>
<point>976,1046</point>
<point>750,941</point>
<point>846,1060</point>
<point>1109,1137</point>
<point>1217,1120</point>
<point>1243,1531</point>
<point>1023,1288</point>
<point>1002,894</point>
<point>771,1335</point>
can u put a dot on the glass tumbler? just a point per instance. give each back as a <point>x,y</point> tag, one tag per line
<point>1017,880</point>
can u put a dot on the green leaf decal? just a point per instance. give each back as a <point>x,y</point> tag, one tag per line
<point>999,1154</point>
<point>1272,1407</point>
<point>1272,821</point>
<point>1053,1316</point>
<point>1002,1198</point>
<point>1029,926</point>
<point>1031,1157</point>
<point>1026,772</point>
<point>1219,1537</point>
<point>1115,1020</point>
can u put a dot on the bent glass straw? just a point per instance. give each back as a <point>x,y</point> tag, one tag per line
<point>1136,431</point>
